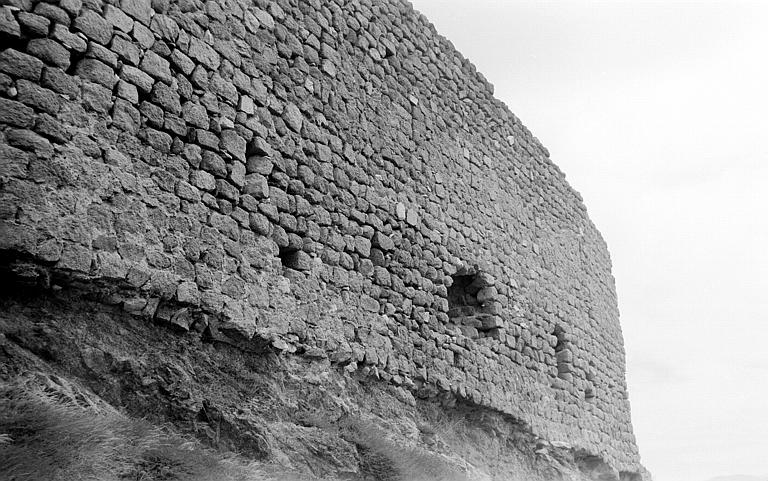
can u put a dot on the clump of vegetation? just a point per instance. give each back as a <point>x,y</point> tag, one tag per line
<point>48,437</point>
<point>384,460</point>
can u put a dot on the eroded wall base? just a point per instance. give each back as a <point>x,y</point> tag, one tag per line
<point>296,412</point>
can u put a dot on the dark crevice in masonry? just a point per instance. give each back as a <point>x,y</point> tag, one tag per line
<point>74,59</point>
<point>470,299</point>
<point>463,306</point>
<point>590,393</point>
<point>293,258</point>
<point>563,354</point>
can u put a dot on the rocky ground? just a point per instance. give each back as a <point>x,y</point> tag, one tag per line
<point>289,414</point>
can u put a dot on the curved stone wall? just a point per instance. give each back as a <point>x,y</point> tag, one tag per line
<point>329,177</point>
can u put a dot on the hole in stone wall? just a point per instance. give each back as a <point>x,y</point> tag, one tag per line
<point>462,297</point>
<point>292,258</point>
<point>74,59</point>
<point>563,354</point>
<point>590,392</point>
<point>463,305</point>
<point>472,304</point>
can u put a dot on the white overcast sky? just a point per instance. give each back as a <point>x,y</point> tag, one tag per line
<point>658,114</point>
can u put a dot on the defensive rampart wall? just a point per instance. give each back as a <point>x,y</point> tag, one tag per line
<point>329,177</point>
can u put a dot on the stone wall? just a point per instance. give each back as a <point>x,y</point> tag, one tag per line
<point>331,178</point>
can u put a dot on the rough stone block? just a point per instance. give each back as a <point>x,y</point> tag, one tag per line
<point>17,237</point>
<point>102,54</point>
<point>175,125</point>
<point>158,140</point>
<point>143,35</point>
<point>256,186</point>
<point>187,293</point>
<point>213,163</point>
<point>20,65</point>
<point>72,41</point>
<point>49,51</point>
<point>137,77</point>
<point>13,163</point>
<point>97,97</point>
<point>127,91</point>
<point>141,10</point>
<point>153,114</point>
<point>35,96</point>
<point>33,25</point>
<point>293,117</point>
<point>156,66</point>
<point>182,62</point>
<point>126,49</point>
<point>94,26</point>
<point>165,27</point>
<point>118,18</point>
<point>126,117</point>
<point>59,81</point>
<point>52,13</point>
<point>8,24</point>
<point>383,242</point>
<point>53,129</point>
<point>232,143</point>
<point>96,71</point>
<point>167,98</point>
<point>76,258</point>
<point>203,180</point>
<point>72,7</point>
<point>16,113</point>
<point>195,114</point>
<point>207,139</point>
<point>28,140</point>
<point>204,53</point>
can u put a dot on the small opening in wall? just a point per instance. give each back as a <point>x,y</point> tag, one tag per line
<point>462,296</point>
<point>285,254</point>
<point>463,305</point>
<point>563,354</point>
<point>292,258</point>
<point>590,392</point>
<point>472,303</point>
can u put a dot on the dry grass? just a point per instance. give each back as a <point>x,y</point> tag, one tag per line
<point>48,436</point>
<point>384,460</point>
<point>43,437</point>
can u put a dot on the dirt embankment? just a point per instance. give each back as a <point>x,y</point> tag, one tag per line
<point>116,378</point>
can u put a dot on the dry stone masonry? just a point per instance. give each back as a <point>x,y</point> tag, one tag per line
<point>330,178</point>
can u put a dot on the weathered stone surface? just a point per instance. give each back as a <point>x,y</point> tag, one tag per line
<point>141,10</point>
<point>96,71</point>
<point>57,80</point>
<point>72,41</point>
<point>383,242</point>
<point>40,98</point>
<point>291,169</point>
<point>166,98</point>
<point>293,117</point>
<point>8,24</point>
<point>118,18</point>
<point>140,79</point>
<point>157,67</point>
<point>233,144</point>
<point>204,53</point>
<point>20,65</point>
<point>16,113</point>
<point>94,26</point>
<point>49,51</point>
